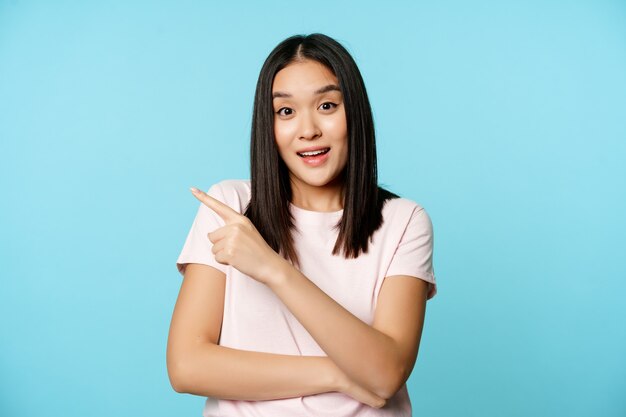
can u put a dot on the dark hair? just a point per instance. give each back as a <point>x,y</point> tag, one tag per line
<point>271,189</point>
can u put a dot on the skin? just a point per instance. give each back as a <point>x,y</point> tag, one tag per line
<point>196,364</point>
<point>305,117</point>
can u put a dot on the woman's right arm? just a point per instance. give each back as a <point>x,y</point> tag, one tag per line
<point>197,365</point>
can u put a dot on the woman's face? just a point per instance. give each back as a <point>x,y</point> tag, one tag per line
<point>310,124</point>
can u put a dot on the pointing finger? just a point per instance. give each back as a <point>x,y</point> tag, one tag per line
<point>226,213</point>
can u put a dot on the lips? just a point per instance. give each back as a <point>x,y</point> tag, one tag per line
<point>312,152</point>
<point>314,156</point>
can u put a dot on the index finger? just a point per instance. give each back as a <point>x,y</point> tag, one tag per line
<point>226,213</point>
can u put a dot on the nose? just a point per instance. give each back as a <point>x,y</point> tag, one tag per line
<point>308,128</point>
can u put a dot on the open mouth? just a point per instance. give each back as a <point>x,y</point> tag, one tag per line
<point>313,153</point>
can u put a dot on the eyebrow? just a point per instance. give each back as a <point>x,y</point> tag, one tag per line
<point>325,89</point>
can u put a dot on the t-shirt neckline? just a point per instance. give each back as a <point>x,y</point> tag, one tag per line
<point>309,216</point>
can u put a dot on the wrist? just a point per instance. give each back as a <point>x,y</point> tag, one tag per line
<point>277,272</point>
<point>333,377</point>
<point>337,380</point>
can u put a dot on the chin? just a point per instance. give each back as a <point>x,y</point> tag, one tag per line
<point>318,182</point>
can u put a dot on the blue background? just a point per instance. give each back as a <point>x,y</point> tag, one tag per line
<point>505,120</point>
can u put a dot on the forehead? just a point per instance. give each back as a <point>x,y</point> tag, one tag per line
<point>303,77</point>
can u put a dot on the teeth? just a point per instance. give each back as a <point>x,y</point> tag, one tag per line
<point>313,153</point>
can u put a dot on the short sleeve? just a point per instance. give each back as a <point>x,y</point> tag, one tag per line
<point>414,254</point>
<point>197,247</point>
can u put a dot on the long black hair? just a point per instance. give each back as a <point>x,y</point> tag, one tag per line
<point>271,189</point>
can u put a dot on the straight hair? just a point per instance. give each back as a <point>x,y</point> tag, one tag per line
<point>271,193</point>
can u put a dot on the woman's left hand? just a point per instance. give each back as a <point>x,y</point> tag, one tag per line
<point>239,244</point>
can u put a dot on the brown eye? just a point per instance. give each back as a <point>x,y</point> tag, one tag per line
<point>328,106</point>
<point>285,111</point>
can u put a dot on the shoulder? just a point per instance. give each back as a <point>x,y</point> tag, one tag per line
<point>234,193</point>
<point>400,206</point>
<point>402,212</point>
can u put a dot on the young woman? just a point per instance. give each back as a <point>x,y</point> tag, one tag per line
<point>305,288</point>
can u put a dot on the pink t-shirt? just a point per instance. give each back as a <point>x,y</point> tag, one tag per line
<point>256,319</point>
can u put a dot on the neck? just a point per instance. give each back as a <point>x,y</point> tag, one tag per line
<point>326,199</point>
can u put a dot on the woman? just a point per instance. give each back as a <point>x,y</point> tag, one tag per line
<point>300,295</point>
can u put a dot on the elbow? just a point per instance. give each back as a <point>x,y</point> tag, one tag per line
<point>186,374</point>
<point>177,385</point>
<point>175,374</point>
<point>388,390</point>
<point>390,383</point>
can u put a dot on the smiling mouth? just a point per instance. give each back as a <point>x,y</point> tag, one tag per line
<point>313,153</point>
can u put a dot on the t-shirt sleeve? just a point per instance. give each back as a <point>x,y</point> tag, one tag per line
<point>414,254</point>
<point>197,247</point>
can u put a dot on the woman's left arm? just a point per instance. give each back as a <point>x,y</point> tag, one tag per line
<point>379,357</point>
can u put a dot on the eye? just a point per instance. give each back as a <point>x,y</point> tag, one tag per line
<point>328,106</point>
<point>284,111</point>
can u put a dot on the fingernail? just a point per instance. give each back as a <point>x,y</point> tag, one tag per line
<point>194,190</point>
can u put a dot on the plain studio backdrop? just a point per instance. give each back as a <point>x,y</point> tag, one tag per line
<point>505,120</point>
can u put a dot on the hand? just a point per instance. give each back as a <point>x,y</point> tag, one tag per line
<point>239,244</point>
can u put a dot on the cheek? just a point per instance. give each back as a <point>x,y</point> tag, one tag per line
<point>338,135</point>
<point>280,137</point>
<point>337,126</point>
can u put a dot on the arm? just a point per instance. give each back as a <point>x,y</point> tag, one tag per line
<point>391,342</point>
<point>378,357</point>
<point>197,365</point>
